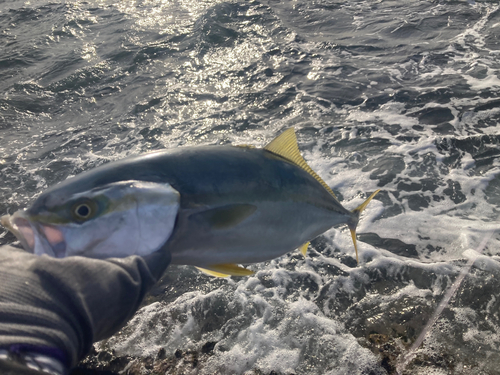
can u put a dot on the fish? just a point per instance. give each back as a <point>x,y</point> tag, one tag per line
<point>212,207</point>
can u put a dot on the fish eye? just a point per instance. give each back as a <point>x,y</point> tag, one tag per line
<point>83,210</point>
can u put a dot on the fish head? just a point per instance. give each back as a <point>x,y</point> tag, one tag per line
<point>114,220</point>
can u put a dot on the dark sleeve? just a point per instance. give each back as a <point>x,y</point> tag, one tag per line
<point>13,368</point>
<point>67,304</point>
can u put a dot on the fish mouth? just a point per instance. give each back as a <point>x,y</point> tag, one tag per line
<point>35,237</point>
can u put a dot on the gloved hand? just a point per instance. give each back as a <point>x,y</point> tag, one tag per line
<point>56,308</point>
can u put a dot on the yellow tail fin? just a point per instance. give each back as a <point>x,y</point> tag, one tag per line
<point>352,226</point>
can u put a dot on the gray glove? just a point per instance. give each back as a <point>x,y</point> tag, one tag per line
<point>57,308</point>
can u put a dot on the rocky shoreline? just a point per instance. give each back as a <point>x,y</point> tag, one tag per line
<point>388,330</point>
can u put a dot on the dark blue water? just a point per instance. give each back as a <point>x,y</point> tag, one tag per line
<point>401,96</point>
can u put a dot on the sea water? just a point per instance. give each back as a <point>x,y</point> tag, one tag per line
<point>391,95</point>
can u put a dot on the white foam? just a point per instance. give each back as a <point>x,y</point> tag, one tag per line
<point>485,263</point>
<point>276,336</point>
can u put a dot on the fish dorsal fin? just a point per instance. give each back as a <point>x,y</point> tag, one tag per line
<point>285,145</point>
<point>225,270</point>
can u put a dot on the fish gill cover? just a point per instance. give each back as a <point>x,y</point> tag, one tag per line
<point>383,94</point>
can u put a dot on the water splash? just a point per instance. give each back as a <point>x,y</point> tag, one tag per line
<point>412,352</point>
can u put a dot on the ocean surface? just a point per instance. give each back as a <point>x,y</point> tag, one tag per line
<point>402,96</point>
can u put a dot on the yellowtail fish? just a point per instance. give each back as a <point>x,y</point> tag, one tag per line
<point>213,207</point>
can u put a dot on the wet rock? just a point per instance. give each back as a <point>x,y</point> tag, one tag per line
<point>161,354</point>
<point>385,169</point>
<point>445,128</point>
<point>393,245</point>
<point>208,347</point>
<point>454,191</point>
<point>418,202</point>
<point>435,116</point>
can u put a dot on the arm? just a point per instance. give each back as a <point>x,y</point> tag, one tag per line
<point>59,307</point>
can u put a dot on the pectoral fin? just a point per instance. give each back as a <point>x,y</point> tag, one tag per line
<point>225,270</point>
<point>226,216</point>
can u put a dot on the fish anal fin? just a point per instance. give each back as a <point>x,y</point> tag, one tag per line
<point>212,273</point>
<point>225,270</point>
<point>285,145</point>
<point>227,216</point>
<point>303,248</point>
